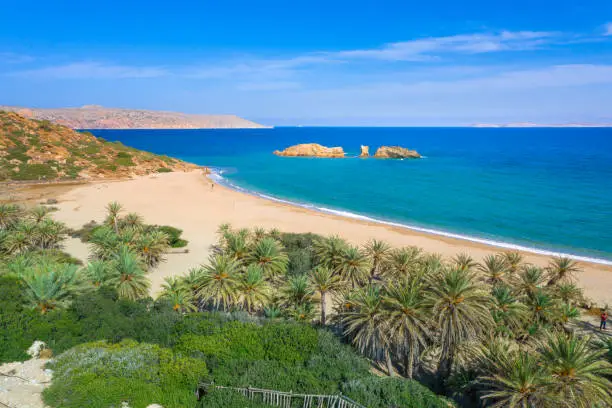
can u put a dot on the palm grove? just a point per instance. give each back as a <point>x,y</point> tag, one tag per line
<point>494,332</point>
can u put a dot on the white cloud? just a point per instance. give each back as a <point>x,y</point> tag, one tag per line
<point>432,48</point>
<point>608,28</point>
<point>92,70</point>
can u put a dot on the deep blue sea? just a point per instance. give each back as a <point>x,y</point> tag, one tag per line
<point>548,189</point>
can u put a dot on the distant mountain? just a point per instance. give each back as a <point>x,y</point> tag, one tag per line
<point>40,150</point>
<point>531,124</point>
<point>98,117</point>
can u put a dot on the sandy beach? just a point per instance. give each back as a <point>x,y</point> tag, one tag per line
<point>186,200</point>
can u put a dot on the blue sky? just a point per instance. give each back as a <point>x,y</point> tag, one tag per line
<point>316,62</point>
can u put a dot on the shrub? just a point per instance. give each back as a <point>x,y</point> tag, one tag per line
<point>35,172</point>
<point>174,236</point>
<point>101,375</point>
<point>384,392</point>
<point>164,170</point>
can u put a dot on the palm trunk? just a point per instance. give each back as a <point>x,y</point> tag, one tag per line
<point>409,362</point>
<point>389,364</point>
<point>445,366</point>
<point>323,307</point>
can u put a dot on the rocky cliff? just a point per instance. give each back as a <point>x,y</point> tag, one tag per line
<point>365,151</point>
<point>396,152</point>
<point>98,117</point>
<point>40,150</point>
<point>311,150</point>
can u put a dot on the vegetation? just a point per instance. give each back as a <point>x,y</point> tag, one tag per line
<point>494,333</point>
<point>41,150</point>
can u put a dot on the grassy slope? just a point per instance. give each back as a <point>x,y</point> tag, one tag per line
<point>40,150</point>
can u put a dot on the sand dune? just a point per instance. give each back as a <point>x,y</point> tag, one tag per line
<point>186,200</point>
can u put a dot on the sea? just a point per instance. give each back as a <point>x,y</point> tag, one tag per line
<point>545,190</point>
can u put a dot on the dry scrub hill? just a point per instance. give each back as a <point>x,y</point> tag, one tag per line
<point>40,150</point>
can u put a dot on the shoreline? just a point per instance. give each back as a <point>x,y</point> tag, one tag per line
<point>187,201</point>
<point>216,175</point>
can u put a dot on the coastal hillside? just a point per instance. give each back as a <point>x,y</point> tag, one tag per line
<point>99,117</point>
<point>40,150</point>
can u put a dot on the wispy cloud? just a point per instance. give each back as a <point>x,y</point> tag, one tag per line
<point>13,58</point>
<point>92,70</point>
<point>608,28</point>
<point>434,47</point>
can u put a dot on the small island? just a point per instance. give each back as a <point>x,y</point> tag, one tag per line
<point>317,150</point>
<point>396,152</point>
<point>311,150</point>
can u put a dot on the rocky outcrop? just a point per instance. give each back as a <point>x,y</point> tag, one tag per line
<point>99,117</point>
<point>311,150</point>
<point>365,151</point>
<point>396,152</point>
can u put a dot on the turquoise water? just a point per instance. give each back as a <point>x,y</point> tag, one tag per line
<point>547,189</point>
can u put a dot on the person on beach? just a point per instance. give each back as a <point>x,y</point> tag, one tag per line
<point>604,319</point>
<point>212,186</point>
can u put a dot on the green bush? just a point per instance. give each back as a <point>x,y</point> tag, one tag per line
<point>101,375</point>
<point>35,172</point>
<point>164,170</point>
<point>385,392</point>
<point>174,236</point>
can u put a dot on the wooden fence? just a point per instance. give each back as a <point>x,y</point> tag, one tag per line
<point>288,399</point>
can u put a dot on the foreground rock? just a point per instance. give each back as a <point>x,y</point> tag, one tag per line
<point>396,152</point>
<point>311,150</point>
<point>21,384</point>
<point>365,151</point>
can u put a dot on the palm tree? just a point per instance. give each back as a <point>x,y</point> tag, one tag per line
<point>513,260</point>
<point>97,272</point>
<point>275,233</point>
<point>48,289</point>
<point>236,246</point>
<point>464,261</point>
<point>151,247</point>
<point>9,215</point>
<point>460,307</point>
<point>38,214</point>
<point>403,261</point>
<point>179,295</point>
<point>366,325</point>
<point>530,279</point>
<point>406,315</point>
<point>296,292</point>
<point>127,275</point>
<point>507,311</point>
<point>353,266</point>
<point>578,371</point>
<point>132,220</point>
<point>113,210</point>
<point>494,269</point>
<point>104,243</point>
<point>222,232</point>
<point>328,251</point>
<point>16,242</point>
<point>253,288</point>
<point>219,282</point>
<point>269,255</point>
<point>542,307</point>
<point>568,293</point>
<point>323,281</point>
<point>518,381</point>
<point>258,234</point>
<point>562,269</point>
<point>378,252</point>
<point>302,313</point>
<point>49,234</point>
